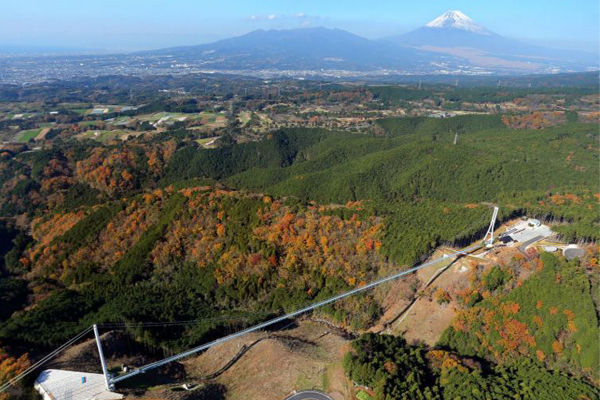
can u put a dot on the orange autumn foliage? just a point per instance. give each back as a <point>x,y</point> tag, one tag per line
<point>511,308</point>
<point>540,355</point>
<point>10,366</point>
<point>557,347</point>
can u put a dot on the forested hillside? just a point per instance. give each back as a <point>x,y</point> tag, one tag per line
<point>160,229</point>
<point>180,254</point>
<point>550,316</point>
<point>529,339</point>
<point>417,178</point>
<point>397,370</point>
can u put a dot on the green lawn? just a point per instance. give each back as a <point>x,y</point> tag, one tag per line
<point>203,141</point>
<point>208,117</point>
<point>362,395</point>
<point>23,115</point>
<point>153,117</point>
<point>89,123</point>
<point>26,136</point>
<point>104,135</point>
<point>245,117</point>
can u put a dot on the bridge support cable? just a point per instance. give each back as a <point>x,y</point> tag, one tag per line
<point>47,358</point>
<point>287,316</point>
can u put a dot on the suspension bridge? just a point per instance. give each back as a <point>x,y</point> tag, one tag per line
<point>105,385</point>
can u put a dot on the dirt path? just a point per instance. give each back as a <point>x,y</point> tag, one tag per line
<point>307,356</point>
<point>424,319</point>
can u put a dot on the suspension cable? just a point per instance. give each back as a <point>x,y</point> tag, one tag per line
<point>23,374</point>
<point>286,316</point>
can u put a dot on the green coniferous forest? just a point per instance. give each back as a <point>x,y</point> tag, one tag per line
<point>162,229</point>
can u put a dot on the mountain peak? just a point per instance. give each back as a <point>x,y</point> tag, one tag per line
<point>457,20</point>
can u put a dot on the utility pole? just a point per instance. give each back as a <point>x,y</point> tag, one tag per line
<point>109,386</point>
<point>455,138</point>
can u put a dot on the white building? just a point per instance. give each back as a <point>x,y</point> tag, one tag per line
<point>525,233</point>
<point>56,384</point>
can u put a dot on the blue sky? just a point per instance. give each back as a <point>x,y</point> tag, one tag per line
<point>145,24</point>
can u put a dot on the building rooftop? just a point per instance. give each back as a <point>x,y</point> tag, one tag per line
<point>58,384</point>
<point>528,231</point>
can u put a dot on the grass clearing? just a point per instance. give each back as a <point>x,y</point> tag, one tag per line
<point>205,141</point>
<point>26,136</point>
<point>153,117</point>
<point>90,123</point>
<point>245,117</point>
<point>362,395</point>
<point>213,120</point>
<point>102,135</point>
<point>308,382</point>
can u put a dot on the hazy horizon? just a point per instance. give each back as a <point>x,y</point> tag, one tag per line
<point>108,26</point>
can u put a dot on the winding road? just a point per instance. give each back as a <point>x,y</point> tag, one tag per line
<point>309,395</point>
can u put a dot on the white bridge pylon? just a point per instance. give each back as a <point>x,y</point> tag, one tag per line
<point>490,231</point>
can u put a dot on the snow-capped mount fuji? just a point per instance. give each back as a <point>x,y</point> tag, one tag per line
<point>457,20</point>
<point>451,43</point>
<point>454,33</point>
<point>454,29</point>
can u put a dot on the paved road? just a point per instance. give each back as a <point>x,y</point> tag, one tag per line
<point>309,395</point>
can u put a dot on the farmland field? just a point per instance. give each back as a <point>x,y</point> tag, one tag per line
<point>245,117</point>
<point>26,136</point>
<point>206,141</point>
<point>103,135</point>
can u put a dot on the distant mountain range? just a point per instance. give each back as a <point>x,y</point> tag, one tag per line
<point>298,49</point>
<point>452,43</point>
